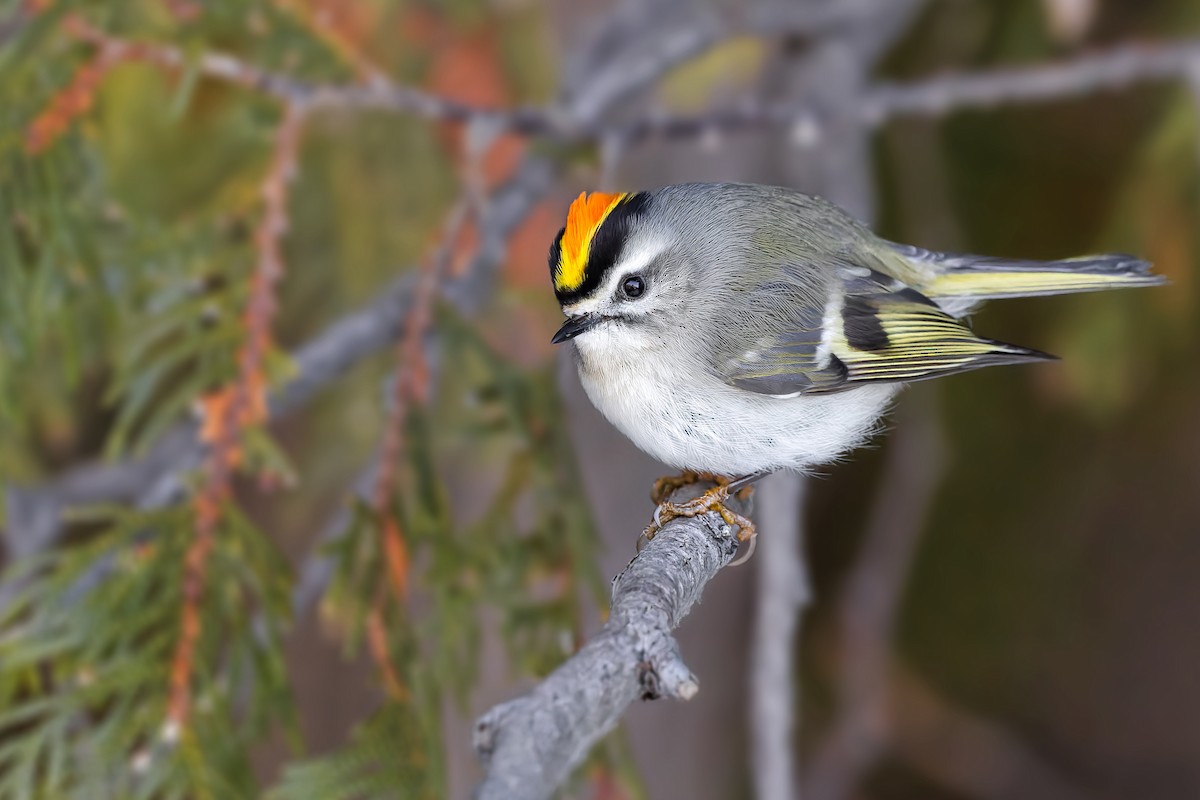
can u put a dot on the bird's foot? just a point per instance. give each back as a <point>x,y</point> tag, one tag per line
<point>714,499</point>
<point>667,485</point>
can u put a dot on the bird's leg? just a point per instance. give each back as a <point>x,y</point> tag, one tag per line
<point>667,485</point>
<point>712,500</point>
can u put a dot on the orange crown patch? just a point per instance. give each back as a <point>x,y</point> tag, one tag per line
<point>584,218</point>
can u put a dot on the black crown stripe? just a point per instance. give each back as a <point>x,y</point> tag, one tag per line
<point>605,248</point>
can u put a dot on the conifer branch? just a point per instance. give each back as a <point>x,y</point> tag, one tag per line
<point>35,513</point>
<point>578,119</point>
<point>377,645</point>
<point>529,745</point>
<point>232,410</point>
<point>410,386</point>
<point>323,21</point>
<point>73,100</point>
<point>380,94</point>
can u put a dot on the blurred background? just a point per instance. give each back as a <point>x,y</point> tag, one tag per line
<point>295,486</point>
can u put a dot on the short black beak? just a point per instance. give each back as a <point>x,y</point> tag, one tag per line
<point>573,327</point>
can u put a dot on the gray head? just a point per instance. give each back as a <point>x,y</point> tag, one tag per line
<point>684,257</point>
<point>646,262</point>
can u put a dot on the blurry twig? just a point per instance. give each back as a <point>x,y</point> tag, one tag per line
<point>871,599</point>
<point>34,518</point>
<point>322,18</point>
<point>35,514</point>
<point>579,117</point>
<point>832,75</point>
<point>783,593</point>
<point>317,569</point>
<point>530,745</point>
<point>377,93</point>
<point>73,100</point>
<point>1112,69</point>
<point>410,386</point>
<point>231,411</point>
<point>380,94</point>
<point>644,41</point>
<point>1109,70</point>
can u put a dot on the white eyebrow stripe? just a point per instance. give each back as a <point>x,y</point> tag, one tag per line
<point>638,260</point>
<point>633,262</point>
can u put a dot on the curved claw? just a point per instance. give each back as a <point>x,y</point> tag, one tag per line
<point>744,557</point>
<point>713,500</point>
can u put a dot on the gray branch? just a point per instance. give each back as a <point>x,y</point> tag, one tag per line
<point>833,76</point>
<point>783,593</point>
<point>34,518</point>
<point>1113,69</point>
<point>581,117</point>
<point>35,513</point>
<point>578,118</point>
<point>530,745</point>
<point>870,604</point>
<point>1110,70</point>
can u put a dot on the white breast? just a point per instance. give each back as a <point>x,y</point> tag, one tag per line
<point>696,421</point>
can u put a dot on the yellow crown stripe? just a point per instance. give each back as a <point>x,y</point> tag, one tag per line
<point>584,218</point>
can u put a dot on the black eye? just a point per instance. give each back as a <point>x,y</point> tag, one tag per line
<point>633,286</point>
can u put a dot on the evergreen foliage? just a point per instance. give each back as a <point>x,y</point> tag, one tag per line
<point>137,228</point>
<point>131,197</point>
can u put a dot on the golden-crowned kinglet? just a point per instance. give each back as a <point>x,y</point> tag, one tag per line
<point>738,329</point>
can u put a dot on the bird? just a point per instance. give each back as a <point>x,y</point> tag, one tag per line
<point>731,330</point>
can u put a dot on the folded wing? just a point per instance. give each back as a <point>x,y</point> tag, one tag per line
<point>875,330</point>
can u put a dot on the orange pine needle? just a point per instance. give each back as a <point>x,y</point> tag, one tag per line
<point>410,386</point>
<point>395,553</point>
<point>606,786</point>
<point>71,102</point>
<point>195,567</point>
<point>377,642</point>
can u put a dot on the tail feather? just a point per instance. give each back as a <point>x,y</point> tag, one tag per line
<point>981,278</point>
